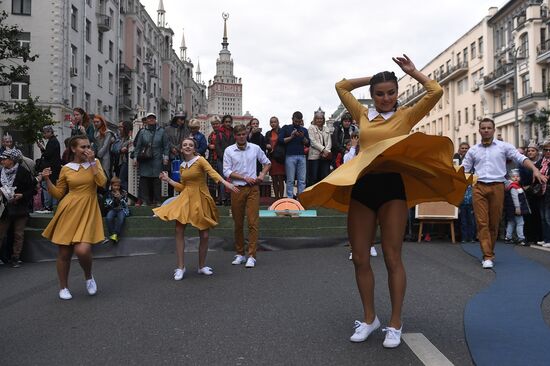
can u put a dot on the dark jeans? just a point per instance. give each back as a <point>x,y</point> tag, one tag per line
<point>115,219</point>
<point>467,222</point>
<point>545,221</point>
<point>317,170</point>
<point>533,222</point>
<point>223,195</point>
<point>149,189</point>
<point>123,175</point>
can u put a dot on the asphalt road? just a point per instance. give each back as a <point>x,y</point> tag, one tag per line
<point>296,307</point>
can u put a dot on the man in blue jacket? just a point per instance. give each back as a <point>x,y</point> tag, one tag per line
<point>295,138</point>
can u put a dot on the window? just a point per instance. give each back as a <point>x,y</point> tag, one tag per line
<point>458,58</point>
<point>525,85</point>
<point>111,50</point>
<point>544,81</point>
<point>100,75</point>
<point>474,138</point>
<point>523,45</point>
<point>462,86</point>
<point>110,83</point>
<point>100,42</point>
<point>24,39</point>
<point>86,101</point>
<point>466,115</point>
<point>89,3</point>
<point>88,68</point>
<point>448,65</point>
<point>99,106</point>
<point>21,7</point>
<point>88,31</point>
<point>458,118</point>
<point>74,18</point>
<point>73,95</point>
<point>473,50</point>
<point>20,89</point>
<point>474,111</point>
<point>74,59</point>
<point>480,46</point>
<point>465,55</point>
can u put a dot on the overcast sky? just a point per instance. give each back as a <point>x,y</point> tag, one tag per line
<point>290,53</point>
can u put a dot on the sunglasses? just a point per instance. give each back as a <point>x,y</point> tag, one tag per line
<point>545,150</point>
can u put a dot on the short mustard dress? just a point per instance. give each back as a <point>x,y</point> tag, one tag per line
<point>78,217</point>
<point>424,161</point>
<point>193,205</point>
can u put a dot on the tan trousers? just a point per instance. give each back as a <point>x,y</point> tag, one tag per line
<point>488,200</point>
<point>247,200</point>
<point>19,224</point>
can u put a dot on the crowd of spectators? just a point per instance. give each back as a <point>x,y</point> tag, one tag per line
<point>300,156</point>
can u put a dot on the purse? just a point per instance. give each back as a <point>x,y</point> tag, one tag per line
<point>279,153</point>
<point>146,151</point>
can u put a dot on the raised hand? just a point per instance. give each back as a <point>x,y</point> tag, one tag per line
<point>164,176</point>
<point>405,64</point>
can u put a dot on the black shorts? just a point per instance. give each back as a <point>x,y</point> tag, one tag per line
<point>373,190</point>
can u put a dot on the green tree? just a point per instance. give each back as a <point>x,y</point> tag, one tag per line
<point>11,49</point>
<point>29,119</point>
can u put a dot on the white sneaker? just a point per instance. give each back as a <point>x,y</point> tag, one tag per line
<point>65,294</point>
<point>540,242</point>
<point>205,271</point>
<point>546,245</point>
<point>91,286</point>
<point>239,259</point>
<point>393,337</point>
<point>178,274</point>
<point>363,330</point>
<point>350,256</point>
<point>487,264</point>
<point>250,262</point>
<point>373,252</point>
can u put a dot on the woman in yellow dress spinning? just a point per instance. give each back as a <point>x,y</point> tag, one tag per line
<point>193,205</point>
<point>393,171</point>
<point>77,223</point>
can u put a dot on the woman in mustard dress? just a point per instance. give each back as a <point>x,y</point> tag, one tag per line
<point>193,205</point>
<point>77,223</point>
<point>395,170</point>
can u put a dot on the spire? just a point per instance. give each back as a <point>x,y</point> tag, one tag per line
<point>198,73</point>
<point>225,16</point>
<point>161,20</point>
<point>183,47</point>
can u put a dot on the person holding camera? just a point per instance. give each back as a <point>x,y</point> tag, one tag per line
<point>296,139</point>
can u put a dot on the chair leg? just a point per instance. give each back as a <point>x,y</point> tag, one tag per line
<point>452,231</point>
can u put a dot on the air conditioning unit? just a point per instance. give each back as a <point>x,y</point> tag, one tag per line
<point>73,71</point>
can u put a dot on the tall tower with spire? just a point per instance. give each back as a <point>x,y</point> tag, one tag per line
<point>225,92</point>
<point>161,15</point>
<point>183,47</point>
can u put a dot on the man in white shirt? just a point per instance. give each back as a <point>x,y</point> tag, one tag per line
<point>239,163</point>
<point>488,161</point>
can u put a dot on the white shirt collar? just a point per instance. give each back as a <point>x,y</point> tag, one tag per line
<point>187,164</point>
<point>245,146</point>
<point>76,166</point>
<point>373,113</point>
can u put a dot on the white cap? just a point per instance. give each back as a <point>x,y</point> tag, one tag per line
<point>151,114</point>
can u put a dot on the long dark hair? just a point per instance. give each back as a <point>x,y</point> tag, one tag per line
<point>382,77</point>
<point>85,117</point>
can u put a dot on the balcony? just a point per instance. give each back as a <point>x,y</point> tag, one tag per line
<point>126,102</point>
<point>412,98</point>
<point>543,52</point>
<point>500,77</point>
<point>125,72</point>
<point>530,101</point>
<point>453,72</point>
<point>103,22</point>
